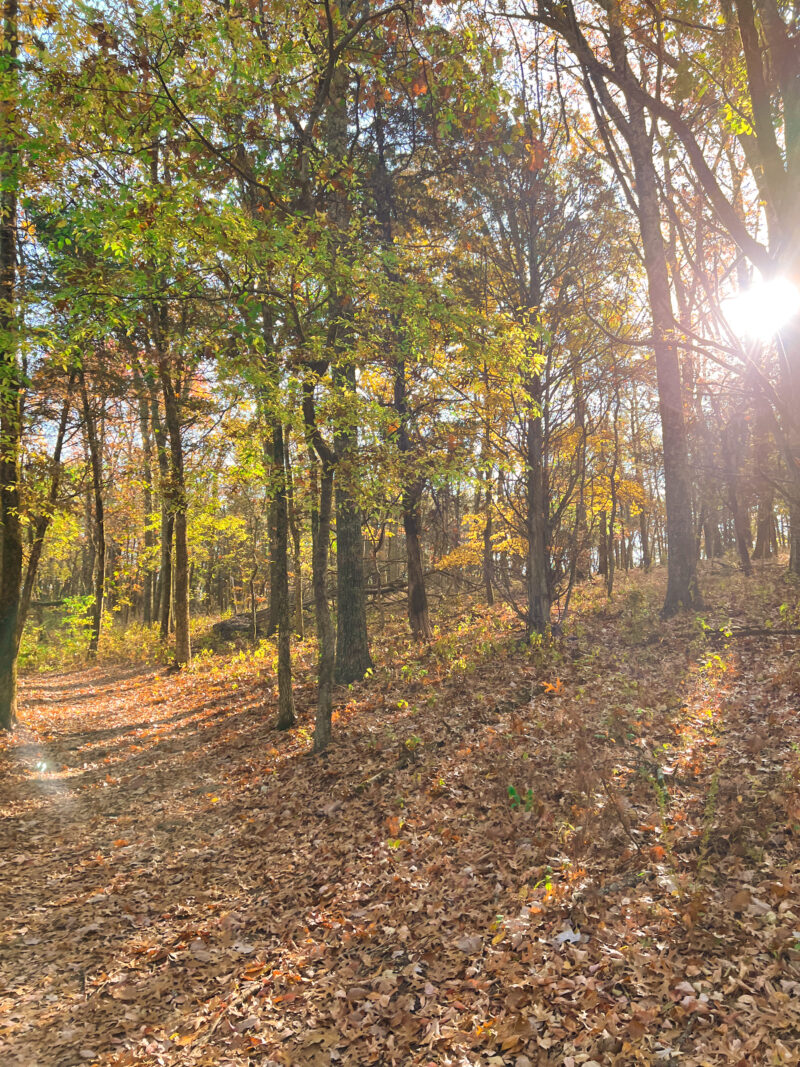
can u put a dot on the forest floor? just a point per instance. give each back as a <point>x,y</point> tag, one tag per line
<point>581,853</point>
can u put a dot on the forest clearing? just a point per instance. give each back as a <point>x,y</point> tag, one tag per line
<point>587,852</point>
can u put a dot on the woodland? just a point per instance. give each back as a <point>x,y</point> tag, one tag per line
<point>399,532</point>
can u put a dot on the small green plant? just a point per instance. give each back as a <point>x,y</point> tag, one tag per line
<point>526,802</point>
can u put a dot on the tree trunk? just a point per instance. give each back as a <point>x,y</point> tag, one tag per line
<point>147,494</point>
<point>163,590</point>
<point>766,540</point>
<point>352,644</point>
<point>321,534</point>
<point>411,499</point>
<point>537,519</point>
<point>43,521</point>
<point>280,582</point>
<point>418,617</point>
<point>794,539</point>
<point>11,386</point>
<point>294,529</point>
<point>734,441</point>
<point>682,587</point>
<point>99,527</point>
<point>177,504</point>
<point>488,548</point>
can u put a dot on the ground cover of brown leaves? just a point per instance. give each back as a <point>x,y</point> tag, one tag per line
<point>581,853</point>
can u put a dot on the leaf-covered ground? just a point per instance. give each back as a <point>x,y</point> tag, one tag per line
<point>585,853</point>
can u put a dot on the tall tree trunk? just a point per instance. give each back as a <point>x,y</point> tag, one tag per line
<point>794,539</point>
<point>294,529</point>
<point>99,527</point>
<point>614,481</point>
<point>411,499</point>
<point>42,524</point>
<point>274,564</point>
<point>147,495</point>
<point>178,504</point>
<point>352,644</point>
<point>734,438</point>
<point>163,590</point>
<point>11,385</point>
<point>280,581</point>
<point>537,519</point>
<point>321,513</point>
<point>325,631</point>
<point>487,567</point>
<point>766,541</point>
<point>418,617</point>
<point>682,586</point>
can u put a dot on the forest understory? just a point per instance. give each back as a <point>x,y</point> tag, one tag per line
<point>585,852</point>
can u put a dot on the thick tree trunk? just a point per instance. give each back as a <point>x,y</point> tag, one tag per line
<point>99,526</point>
<point>352,644</point>
<point>11,386</point>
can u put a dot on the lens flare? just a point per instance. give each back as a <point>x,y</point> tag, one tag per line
<point>760,311</point>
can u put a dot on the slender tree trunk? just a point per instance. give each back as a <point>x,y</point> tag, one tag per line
<point>411,499</point>
<point>99,528</point>
<point>280,581</point>
<point>294,529</point>
<point>682,587</point>
<point>418,617</point>
<point>321,510</point>
<point>537,517</point>
<point>11,386</point>
<point>163,591</point>
<point>613,480</point>
<point>147,495</point>
<point>43,521</point>
<point>274,565</point>
<point>321,514</point>
<point>325,631</point>
<point>794,539</point>
<point>488,548</point>
<point>177,501</point>
<point>602,546</point>
<point>734,438</point>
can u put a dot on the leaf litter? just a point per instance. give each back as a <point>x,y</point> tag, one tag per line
<point>583,853</point>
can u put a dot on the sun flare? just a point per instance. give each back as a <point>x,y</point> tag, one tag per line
<point>760,311</point>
